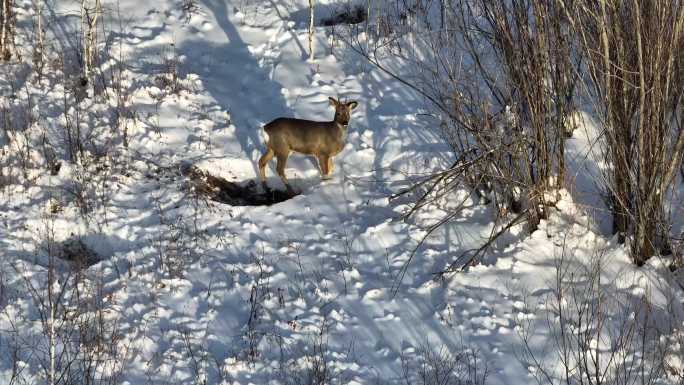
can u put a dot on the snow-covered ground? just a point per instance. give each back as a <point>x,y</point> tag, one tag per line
<point>260,289</point>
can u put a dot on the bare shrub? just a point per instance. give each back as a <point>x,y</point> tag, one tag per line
<point>18,156</point>
<point>673,356</point>
<point>197,355</point>
<point>498,76</point>
<point>598,333</point>
<point>634,74</point>
<point>120,82</point>
<point>179,241</point>
<point>70,333</point>
<point>260,292</point>
<point>312,364</point>
<point>190,8</point>
<point>169,78</point>
<point>441,366</point>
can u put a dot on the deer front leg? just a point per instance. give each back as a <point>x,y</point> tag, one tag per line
<point>280,167</point>
<point>263,161</point>
<point>331,166</point>
<point>324,163</point>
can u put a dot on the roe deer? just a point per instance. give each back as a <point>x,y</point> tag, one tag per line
<point>321,139</point>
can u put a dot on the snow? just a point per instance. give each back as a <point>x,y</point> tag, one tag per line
<point>329,258</point>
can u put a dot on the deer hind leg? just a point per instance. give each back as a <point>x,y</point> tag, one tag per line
<point>263,161</point>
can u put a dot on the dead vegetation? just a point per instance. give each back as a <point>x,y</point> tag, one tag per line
<point>77,252</point>
<point>221,190</point>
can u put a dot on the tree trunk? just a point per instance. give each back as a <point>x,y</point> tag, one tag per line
<point>89,27</point>
<point>311,30</point>
<point>6,29</point>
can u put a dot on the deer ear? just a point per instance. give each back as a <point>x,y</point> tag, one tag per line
<point>352,105</point>
<point>332,100</point>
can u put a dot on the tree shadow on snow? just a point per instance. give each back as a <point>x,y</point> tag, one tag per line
<point>237,81</point>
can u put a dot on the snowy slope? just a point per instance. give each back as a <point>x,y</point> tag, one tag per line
<point>261,286</point>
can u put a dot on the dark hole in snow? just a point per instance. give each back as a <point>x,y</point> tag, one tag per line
<point>55,166</point>
<point>220,190</point>
<point>349,15</point>
<point>76,251</point>
<point>328,15</point>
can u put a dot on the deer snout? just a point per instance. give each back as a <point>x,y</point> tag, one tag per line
<point>342,119</point>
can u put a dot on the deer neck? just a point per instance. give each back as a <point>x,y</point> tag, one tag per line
<point>342,126</point>
<point>340,129</point>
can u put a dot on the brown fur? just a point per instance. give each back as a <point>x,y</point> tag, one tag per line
<point>321,139</point>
